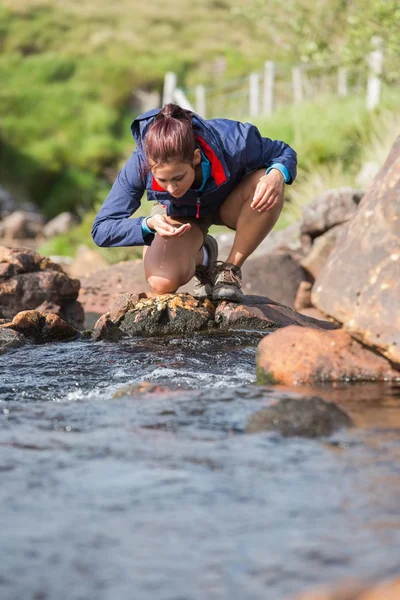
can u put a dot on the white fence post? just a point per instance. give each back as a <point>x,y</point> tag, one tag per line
<point>180,98</point>
<point>254,94</point>
<point>200,92</point>
<point>375,62</point>
<point>269,82</point>
<point>297,85</point>
<point>342,82</point>
<point>170,80</point>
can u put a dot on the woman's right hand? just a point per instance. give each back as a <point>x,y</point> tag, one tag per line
<point>165,229</point>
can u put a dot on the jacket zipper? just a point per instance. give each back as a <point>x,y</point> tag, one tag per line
<point>198,202</point>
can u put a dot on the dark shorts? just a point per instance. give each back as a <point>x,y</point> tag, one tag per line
<point>203,223</point>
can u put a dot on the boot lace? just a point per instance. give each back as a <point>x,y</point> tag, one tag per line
<point>228,274</point>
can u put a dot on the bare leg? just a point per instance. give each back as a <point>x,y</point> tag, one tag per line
<point>251,226</point>
<point>171,262</point>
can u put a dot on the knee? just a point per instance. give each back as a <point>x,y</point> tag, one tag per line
<point>162,285</point>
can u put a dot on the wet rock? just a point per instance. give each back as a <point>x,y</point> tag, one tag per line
<point>297,355</point>
<point>168,314</point>
<point>62,223</point>
<point>277,275</point>
<point>10,339</point>
<point>21,224</point>
<point>260,312</point>
<point>106,329</point>
<point>305,417</point>
<point>354,591</point>
<point>360,283</point>
<point>123,303</point>
<point>40,328</point>
<point>29,281</point>
<point>330,209</point>
<point>323,245</point>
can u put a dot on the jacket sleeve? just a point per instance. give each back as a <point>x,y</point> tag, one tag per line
<point>112,225</point>
<point>264,152</point>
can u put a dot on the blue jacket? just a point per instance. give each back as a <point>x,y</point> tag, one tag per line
<point>233,149</point>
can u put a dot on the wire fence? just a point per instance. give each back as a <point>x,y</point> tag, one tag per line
<point>279,85</point>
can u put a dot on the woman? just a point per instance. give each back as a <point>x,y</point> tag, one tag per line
<point>198,173</point>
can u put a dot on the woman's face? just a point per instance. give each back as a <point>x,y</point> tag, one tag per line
<point>176,177</point>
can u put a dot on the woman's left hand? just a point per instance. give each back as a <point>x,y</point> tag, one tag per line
<point>269,190</point>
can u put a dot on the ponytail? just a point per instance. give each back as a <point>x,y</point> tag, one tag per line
<point>170,136</point>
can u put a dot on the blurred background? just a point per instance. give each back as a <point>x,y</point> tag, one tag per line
<point>323,76</point>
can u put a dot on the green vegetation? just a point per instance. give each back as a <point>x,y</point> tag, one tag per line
<point>69,69</point>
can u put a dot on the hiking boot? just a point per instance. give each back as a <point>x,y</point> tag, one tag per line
<point>205,275</point>
<point>227,283</point>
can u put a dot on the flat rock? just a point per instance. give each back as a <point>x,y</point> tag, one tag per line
<point>171,314</point>
<point>260,312</point>
<point>298,355</point>
<point>304,417</point>
<point>360,283</point>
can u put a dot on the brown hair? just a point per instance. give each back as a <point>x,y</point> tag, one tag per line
<point>170,136</point>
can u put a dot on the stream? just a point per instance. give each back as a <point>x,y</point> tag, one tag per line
<point>126,473</point>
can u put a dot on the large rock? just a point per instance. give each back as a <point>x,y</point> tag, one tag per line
<point>61,224</point>
<point>178,314</point>
<point>277,275</point>
<point>40,327</point>
<point>29,281</point>
<point>360,284</point>
<point>330,209</point>
<point>303,417</point>
<point>298,355</point>
<point>21,225</point>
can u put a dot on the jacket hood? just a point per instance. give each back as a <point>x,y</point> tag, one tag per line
<point>200,126</point>
<point>206,135</point>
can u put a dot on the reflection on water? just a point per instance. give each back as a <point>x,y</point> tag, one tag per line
<point>110,492</point>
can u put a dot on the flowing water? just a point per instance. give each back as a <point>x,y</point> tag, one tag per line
<point>113,490</point>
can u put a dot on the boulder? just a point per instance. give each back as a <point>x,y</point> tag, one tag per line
<point>62,223</point>
<point>21,224</point>
<point>304,417</point>
<point>277,275</point>
<point>40,327</point>
<point>29,281</point>
<point>299,355</point>
<point>166,314</point>
<point>331,208</point>
<point>319,253</point>
<point>360,283</point>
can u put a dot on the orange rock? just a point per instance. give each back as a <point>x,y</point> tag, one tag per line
<point>295,355</point>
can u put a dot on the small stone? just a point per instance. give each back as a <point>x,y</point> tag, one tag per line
<point>304,417</point>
